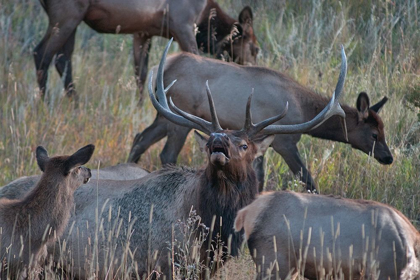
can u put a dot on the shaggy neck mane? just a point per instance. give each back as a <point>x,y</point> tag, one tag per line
<point>223,194</point>
<point>221,26</point>
<point>331,129</point>
<point>46,205</point>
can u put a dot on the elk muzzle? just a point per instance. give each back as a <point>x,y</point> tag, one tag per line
<point>218,146</point>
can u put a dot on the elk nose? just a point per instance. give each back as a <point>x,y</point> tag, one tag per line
<point>388,160</point>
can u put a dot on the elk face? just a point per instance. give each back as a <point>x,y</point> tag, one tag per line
<point>232,148</point>
<point>241,45</point>
<point>368,135</point>
<point>69,167</point>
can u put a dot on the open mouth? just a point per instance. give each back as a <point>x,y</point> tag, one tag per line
<point>86,180</point>
<point>219,155</point>
<point>219,149</point>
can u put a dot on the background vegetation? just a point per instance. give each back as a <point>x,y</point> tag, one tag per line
<point>300,38</point>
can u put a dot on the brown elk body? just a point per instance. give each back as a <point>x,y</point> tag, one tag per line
<point>272,90</point>
<point>30,223</point>
<point>144,19</point>
<point>323,237</point>
<point>140,215</point>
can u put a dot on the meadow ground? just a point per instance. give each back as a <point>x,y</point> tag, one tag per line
<point>382,41</point>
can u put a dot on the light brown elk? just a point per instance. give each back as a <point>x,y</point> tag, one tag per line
<point>144,19</point>
<point>272,90</point>
<point>323,237</point>
<point>225,185</point>
<point>30,223</point>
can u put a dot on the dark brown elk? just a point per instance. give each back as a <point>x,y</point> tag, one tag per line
<point>323,237</point>
<point>29,224</point>
<point>144,19</point>
<point>272,91</point>
<point>225,185</point>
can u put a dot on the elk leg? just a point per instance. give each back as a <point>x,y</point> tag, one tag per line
<point>141,48</point>
<point>54,39</point>
<point>291,155</point>
<point>176,140</point>
<point>63,64</point>
<point>186,39</point>
<point>148,137</point>
<point>258,165</point>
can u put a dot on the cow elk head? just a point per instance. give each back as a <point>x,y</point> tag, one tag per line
<point>368,134</point>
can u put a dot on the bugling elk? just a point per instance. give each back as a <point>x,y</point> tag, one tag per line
<point>272,90</point>
<point>323,237</point>
<point>143,211</point>
<point>218,32</point>
<point>36,220</point>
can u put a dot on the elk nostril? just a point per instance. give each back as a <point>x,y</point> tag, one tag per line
<point>388,160</point>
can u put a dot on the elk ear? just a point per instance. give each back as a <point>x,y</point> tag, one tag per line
<point>362,105</point>
<point>378,106</point>
<point>42,157</point>
<point>79,158</point>
<point>202,140</point>
<point>245,16</point>
<point>262,143</point>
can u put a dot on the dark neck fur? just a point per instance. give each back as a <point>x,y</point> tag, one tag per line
<point>221,23</point>
<point>332,129</point>
<point>223,195</point>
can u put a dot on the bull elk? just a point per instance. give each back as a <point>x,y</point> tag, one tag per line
<point>146,209</point>
<point>272,90</point>
<point>322,237</point>
<point>25,223</point>
<point>218,32</point>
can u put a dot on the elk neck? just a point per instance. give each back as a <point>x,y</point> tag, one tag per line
<point>220,25</point>
<point>46,205</point>
<point>223,194</point>
<point>331,129</point>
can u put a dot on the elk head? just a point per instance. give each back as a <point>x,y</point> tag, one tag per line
<point>66,166</point>
<point>368,133</point>
<point>241,44</point>
<point>232,151</point>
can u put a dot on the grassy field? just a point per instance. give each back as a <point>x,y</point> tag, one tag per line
<point>382,41</point>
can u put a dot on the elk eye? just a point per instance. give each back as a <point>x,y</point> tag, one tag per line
<point>243,147</point>
<point>375,136</point>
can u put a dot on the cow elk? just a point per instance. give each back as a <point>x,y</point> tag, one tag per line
<point>272,91</point>
<point>218,32</point>
<point>33,222</point>
<point>139,215</point>
<point>324,237</point>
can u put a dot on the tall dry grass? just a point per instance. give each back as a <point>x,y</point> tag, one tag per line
<point>300,38</point>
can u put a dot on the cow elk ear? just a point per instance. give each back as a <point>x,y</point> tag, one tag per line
<point>202,140</point>
<point>42,157</point>
<point>362,106</point>
<point>378,106</point>
<point>262,143</point>
<point>80,157</point>
<point>245,16</point>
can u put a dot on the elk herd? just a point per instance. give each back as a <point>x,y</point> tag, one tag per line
<point>124,222</point>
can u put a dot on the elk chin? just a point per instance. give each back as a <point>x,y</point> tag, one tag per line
<point>219,159</point>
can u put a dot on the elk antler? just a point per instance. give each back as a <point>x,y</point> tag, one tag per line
<point>184,118</point>
<point>333,108</point>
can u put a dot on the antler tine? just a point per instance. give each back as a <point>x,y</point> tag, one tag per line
<point>214,119</point>
<point>333,108</point>
<point>162,105</point>
<point>206,127</point>
<point>253,129</point>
